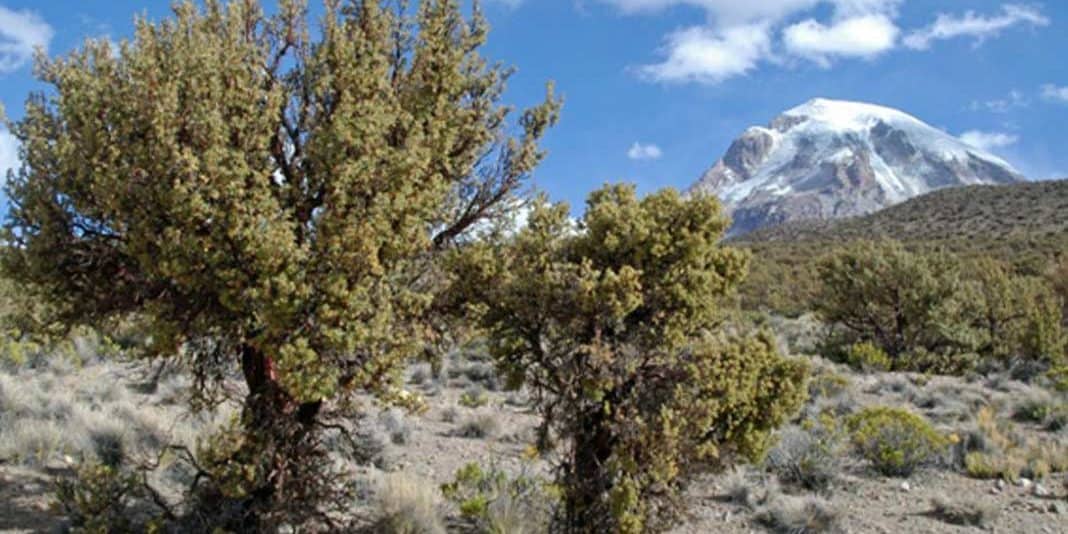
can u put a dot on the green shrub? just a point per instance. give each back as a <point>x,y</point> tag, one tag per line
<point>867,357</point>
<point>613,328</point>
<point>895,441</point>
<point>896,300</point>
<point>100,498</point>
<point>500,503</point>
<point>474,397</point>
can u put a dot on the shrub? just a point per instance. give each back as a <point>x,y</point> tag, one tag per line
<point>499,503</point>
<point>895,441</point>
<point>809,456</point>
<point>1017,317</point>
<point>867,357</point>
<point>895,300</point>
<point>408,506</point>
<point>474,397</point>
<point>483,426</point>
<point>790,514</point>
<point>612,328</point>
<point>100,498</point>
<point>966,513</point>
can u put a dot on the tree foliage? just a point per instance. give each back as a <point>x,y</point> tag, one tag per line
<point>610,322</point>
<point>932,311</point>
<point>878,292</point>
<point>263,194</point>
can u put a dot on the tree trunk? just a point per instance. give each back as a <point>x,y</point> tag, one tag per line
<point>276,423</point>
<point>584,506</point>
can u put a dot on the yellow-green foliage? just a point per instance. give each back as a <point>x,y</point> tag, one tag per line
<point>882,294</point>
<point>500,503</point>
<point>269,188</point>
<point>894,440</point>
<point>1014,316</point>
<point>868,357</point>
<point>1008,453</point>
<point>928,313</point>
<point>610,325</point>
<point>98,499</point>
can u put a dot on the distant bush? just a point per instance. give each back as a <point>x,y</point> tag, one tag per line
<point>895,441</point>
<point>866,356</point>
<point>895,309</point>
<point>881,296</point>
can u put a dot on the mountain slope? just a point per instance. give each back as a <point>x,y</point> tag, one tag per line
<point>982,212</point>
<point>829,159</point>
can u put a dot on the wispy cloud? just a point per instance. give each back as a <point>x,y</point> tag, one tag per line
<point>1055,93</point>
<point>979,27</point>
<point>639,151</point>
<point>988,140</point>
<point>21,32</point>
<point>1014,100</point>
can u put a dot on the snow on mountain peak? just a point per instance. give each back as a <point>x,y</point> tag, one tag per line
<point>833,158</point>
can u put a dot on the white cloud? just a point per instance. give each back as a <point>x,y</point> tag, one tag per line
<point>970,24</point>
<point>705,55</point>
<point>9,153</point>
<point>742,34</point>
<point>20,33</point>
<point>723,12</point>
<point>862,36</point>
<point>639,151</point>
<point>988,140</point>
<point>1015,99</point>
<point>1056,93</point>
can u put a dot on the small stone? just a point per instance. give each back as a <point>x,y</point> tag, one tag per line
<point>1024,483</point>
<point>1000,484</point>
<point>1058,507</point>
<point>905,487</point>
<point>1038,490</point>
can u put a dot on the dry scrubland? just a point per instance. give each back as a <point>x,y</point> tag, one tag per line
<point>85,402</point>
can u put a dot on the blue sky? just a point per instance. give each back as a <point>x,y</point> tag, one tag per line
<point>655,90</point>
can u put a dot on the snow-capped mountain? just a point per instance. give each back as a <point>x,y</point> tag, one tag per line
<point>830,158</point>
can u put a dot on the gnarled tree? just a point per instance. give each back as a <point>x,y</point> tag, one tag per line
<point>260,193</point>
<point>613,325</point>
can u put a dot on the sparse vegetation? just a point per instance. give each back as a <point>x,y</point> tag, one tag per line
<point>791,514</point>
<point>499,503</point>
<point>408,506</point>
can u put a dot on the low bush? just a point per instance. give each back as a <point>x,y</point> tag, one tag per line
<point>482,426</point>
<point>868,357</point>
<point>496,502</point>
<point>474,397</point>
<point>808,456</point>
<point>965,513</point>
<point>408,506</point>
<point>790,514</point>
<point>895,441</point>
